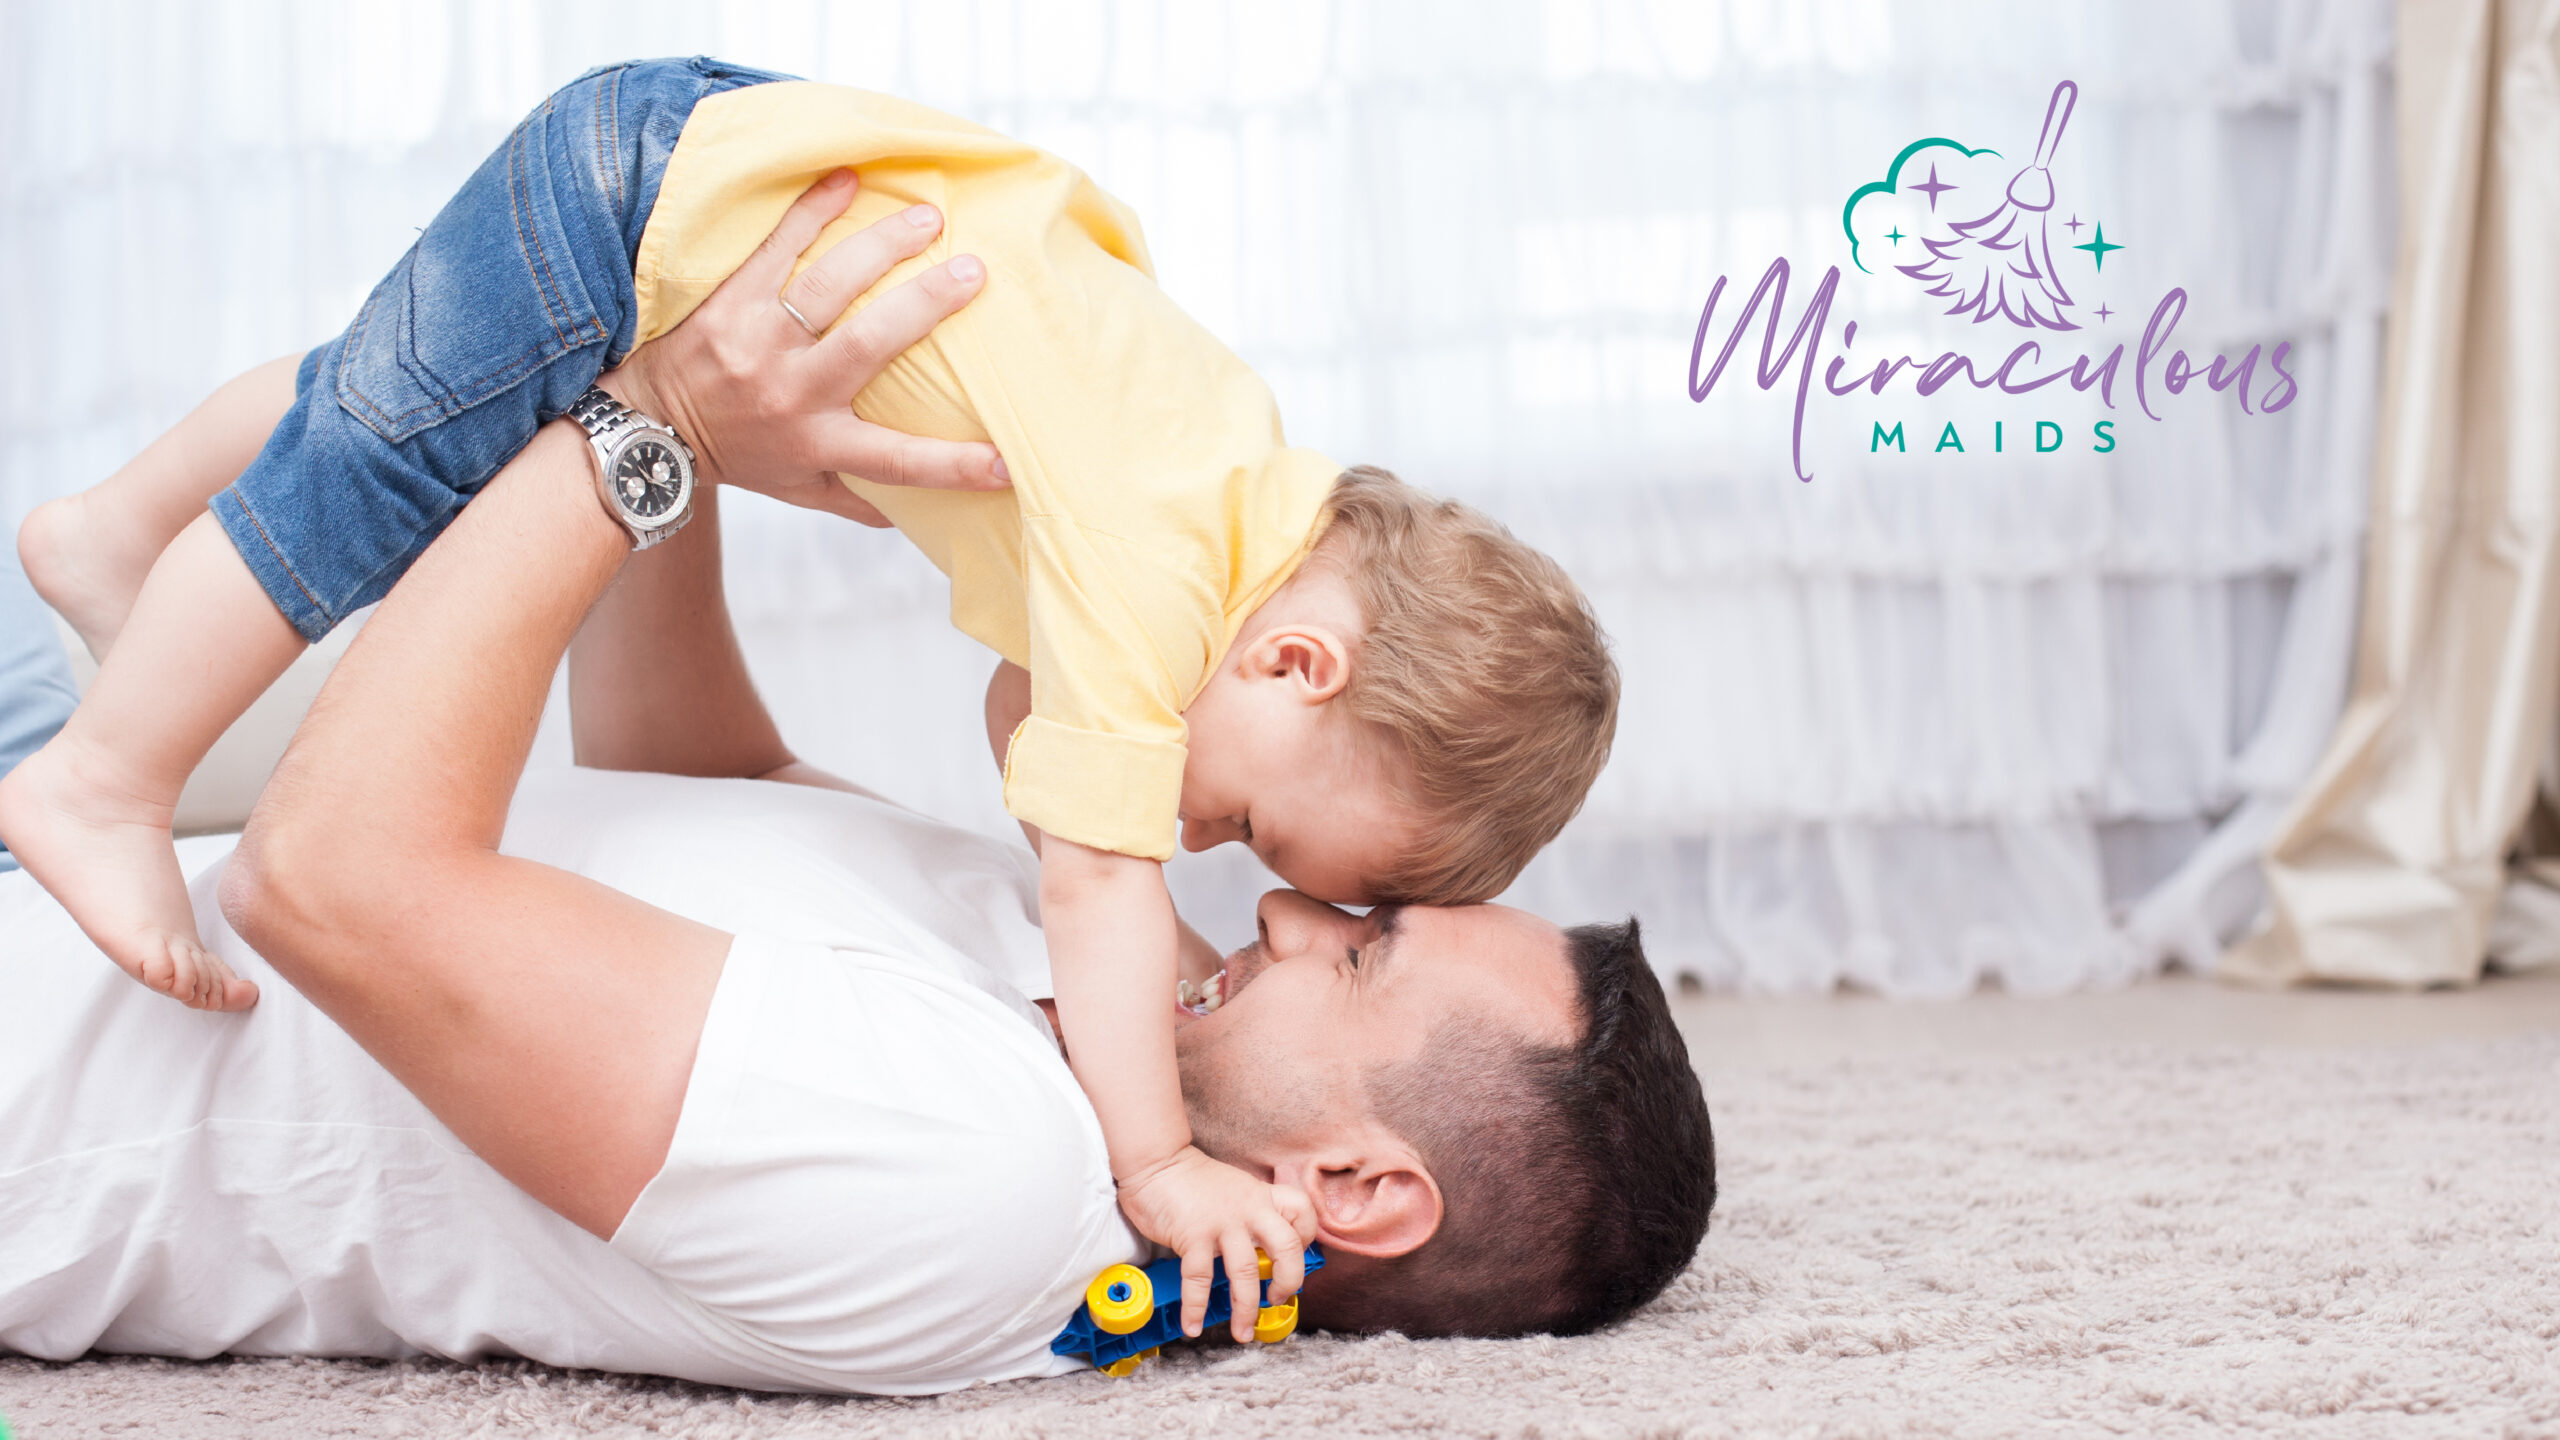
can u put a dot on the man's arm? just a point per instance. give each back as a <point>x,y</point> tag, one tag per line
<point>549,1021</point>
<point>656,679</point>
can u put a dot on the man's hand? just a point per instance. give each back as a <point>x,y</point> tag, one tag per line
<point>767,406</point>
<point>1203,1210</point>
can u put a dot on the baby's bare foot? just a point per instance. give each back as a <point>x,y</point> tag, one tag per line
<point>105,853</point>
<point>87,571</point>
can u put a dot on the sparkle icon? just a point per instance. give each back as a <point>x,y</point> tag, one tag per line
<point>1934,187</point>
<point>2099,247</point>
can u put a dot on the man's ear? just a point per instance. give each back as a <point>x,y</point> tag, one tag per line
<point>1312,659</point>
<point>1382,1208</point>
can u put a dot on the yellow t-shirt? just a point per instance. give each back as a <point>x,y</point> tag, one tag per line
<point>1154,502</point>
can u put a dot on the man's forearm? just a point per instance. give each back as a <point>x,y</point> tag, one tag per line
<point>416,744</point>
<point>548,1021</point>
<point>656,679</point>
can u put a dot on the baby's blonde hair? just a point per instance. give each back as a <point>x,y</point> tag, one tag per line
<point>1484,666</point>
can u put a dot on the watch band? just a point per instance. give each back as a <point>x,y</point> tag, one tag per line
<point>602,416</point>
<point>606,420</point>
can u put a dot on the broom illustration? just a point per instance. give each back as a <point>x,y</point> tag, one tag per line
<point>2002,263</point>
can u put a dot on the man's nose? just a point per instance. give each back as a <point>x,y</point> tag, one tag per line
<point>1294,924</point>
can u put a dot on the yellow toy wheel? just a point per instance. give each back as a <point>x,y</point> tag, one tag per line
<point>1121,1368</point>
<point>1276,1322</point>
<point>1120,1300</point>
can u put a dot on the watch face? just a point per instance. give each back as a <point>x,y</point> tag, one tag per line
<point>648,478</point>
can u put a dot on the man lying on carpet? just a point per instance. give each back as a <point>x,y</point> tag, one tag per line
<point>735,1073</point>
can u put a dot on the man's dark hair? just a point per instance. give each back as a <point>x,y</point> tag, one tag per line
<point>1575,1181</point>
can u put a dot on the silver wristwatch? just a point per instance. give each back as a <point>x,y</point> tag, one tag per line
<point>644,471</point>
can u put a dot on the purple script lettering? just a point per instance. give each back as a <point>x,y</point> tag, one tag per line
<point>2155,338</point>
<point>1808,335</point>
<point>2280,394</point>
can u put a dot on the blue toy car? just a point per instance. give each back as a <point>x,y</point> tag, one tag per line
<point>1129,1313</point>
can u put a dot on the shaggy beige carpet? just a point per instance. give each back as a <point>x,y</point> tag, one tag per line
<point>2134,1243</point>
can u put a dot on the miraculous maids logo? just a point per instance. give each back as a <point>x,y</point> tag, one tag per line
<point>1992,241</point>
<point>1999,264</point>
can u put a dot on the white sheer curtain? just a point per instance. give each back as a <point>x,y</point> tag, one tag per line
<point>1913,725</point>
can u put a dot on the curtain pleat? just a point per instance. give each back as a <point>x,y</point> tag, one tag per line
<point>2389,867</point>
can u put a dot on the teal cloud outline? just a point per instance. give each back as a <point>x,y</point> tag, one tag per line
<point>1892,177</point>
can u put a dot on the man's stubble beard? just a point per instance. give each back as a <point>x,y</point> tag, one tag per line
<point>1239,1107</point>
<point>1220,1113</point>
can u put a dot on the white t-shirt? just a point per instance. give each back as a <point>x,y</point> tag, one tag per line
<point>884,1180</point>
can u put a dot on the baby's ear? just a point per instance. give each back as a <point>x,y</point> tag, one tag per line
<point>1313,660</point>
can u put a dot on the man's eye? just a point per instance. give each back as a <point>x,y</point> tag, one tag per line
<point>1246,825</point>
<point>1354,953</point>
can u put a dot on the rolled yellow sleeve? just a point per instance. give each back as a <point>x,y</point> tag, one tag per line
<point>1111,792</point>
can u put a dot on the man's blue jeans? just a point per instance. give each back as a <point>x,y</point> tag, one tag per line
<point>36,693</point>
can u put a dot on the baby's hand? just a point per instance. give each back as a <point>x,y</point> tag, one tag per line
<point>1203,1210</point>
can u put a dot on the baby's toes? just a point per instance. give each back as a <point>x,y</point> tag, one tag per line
<point>224,990</point>
<point>199,976</point>
<point>164,969</point>
<point>212,977</point>
<point>191,973</point>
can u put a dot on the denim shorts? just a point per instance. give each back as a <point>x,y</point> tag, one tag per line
<point>515,297</point>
